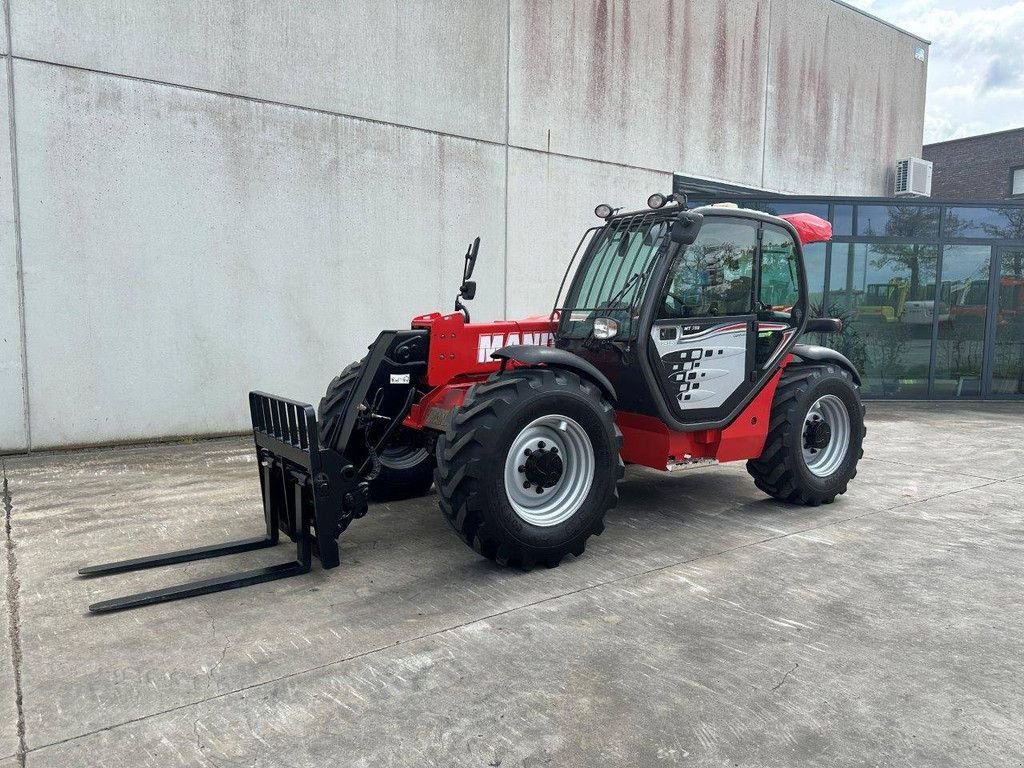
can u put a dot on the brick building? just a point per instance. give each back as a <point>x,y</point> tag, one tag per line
<point>987,167</point>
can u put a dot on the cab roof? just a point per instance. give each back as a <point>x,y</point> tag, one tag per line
<point>809,228</point>
<point>806,226</point>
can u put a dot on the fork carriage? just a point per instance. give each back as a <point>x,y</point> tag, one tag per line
<point>303,487</point>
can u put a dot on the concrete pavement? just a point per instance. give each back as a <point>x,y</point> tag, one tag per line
<point>708,626</point>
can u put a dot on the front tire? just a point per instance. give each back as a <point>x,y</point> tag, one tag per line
<point>406,466</point>
<point>529,466</point>
<point>815,436</point>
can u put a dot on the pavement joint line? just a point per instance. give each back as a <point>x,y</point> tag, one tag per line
<point>498,614</point>
<point>936,469</point>
<point>947,493</point>
<point>13,617</point>
<point>128,446</point>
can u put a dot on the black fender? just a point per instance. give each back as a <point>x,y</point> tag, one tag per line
<point>531,354</point>
<point>818,354</point>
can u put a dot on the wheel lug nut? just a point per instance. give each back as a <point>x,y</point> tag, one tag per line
<point>540,444</point>
<point>554,449</point>
<point>527,451</point>
<point>526,484</point>
<point>539,489</point>
<point>522,468</point>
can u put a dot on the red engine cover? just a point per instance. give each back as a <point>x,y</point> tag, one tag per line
<point>458,348</point>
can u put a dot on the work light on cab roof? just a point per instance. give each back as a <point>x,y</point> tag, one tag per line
<point>675,341</point>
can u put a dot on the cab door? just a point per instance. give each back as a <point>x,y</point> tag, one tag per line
<point>780,302</point>
<point>703,342</point>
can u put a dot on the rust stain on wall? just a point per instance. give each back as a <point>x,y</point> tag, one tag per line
<point>618,68</point>
<point>719,76</point>
<point>624,44</point>
<point>849,115</point>
<point>823,101</point>
<point>782,74</point>
<point>876,117</point>
<point>688,29</point>
<point>597,80</point>
<point>753,77</point>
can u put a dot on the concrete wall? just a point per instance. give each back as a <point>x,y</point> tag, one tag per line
<point>222,196</point>
<point>844,103</point>
<point>656,85</point>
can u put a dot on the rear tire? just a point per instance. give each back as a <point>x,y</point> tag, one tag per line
<point>406,466</point>
<point>802,461</point>
<point>518,427</point>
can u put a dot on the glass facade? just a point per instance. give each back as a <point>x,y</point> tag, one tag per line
<point>931,295</point>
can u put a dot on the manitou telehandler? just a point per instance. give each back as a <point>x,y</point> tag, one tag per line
<point>674,345</point>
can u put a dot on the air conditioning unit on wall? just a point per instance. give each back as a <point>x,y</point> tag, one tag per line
<point>913,178</point>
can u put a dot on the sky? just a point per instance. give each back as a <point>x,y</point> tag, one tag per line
<point>976,61</point>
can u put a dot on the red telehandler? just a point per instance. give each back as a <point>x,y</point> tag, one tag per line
<point>659,351</point>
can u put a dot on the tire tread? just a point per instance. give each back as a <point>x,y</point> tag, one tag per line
<point>774,471</point>
<point>461,452</point>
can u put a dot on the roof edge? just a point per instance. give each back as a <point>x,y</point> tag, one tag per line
<point>889,24</point>
<point>975,136</point>
<point>737,193</point>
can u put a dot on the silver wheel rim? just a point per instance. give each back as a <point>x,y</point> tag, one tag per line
<point>565,438</point>
<point>825,460</point>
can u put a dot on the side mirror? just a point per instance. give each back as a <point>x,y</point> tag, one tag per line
<point>467,291</point>
<point>824,325</point>
<point>471,254</point>
<point>685,227</point>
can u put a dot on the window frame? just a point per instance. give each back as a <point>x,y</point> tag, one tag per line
<point>797,262</point>
<point>1014,170</point>
<point>578,328</point>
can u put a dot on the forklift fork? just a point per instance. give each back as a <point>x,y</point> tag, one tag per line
<point>309,492</point>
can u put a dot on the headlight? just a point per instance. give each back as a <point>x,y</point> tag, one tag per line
<point>657,200</point>
<point>605,328</point>
<point>603,211</point>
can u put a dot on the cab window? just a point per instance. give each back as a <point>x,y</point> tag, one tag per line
<point>713,276</point>
<point>780,287</point>
<point>779,291</point>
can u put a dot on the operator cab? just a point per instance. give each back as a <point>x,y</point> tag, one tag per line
<point>687,311</point>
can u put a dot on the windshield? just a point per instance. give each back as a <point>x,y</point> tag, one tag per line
<point>610,282</point>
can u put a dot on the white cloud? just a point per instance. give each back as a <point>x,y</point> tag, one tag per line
<point>976,62</point>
